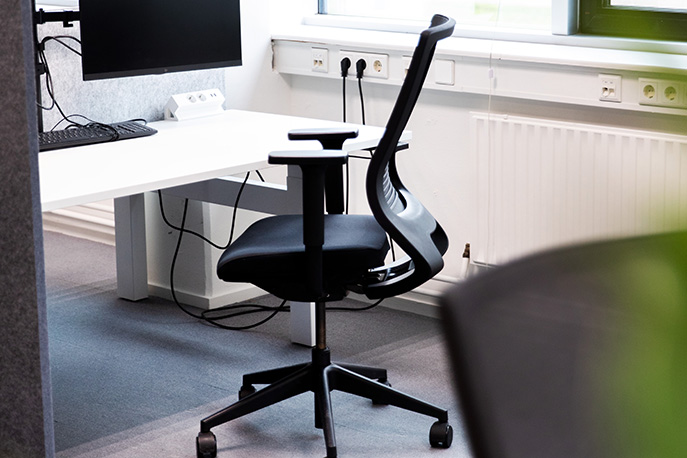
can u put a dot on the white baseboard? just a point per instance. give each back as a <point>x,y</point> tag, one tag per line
<point>422,301</point>
<point>96,222</point>
<point>240,293</point>
<point>92,222</point>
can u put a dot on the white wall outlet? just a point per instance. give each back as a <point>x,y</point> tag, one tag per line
<point>320,60</point>
<point>648,91</point>
<point>670,94</point>
<point>610,88</point>
<point>662,93</point>
<point>377,65</point>
<point>190,105</point>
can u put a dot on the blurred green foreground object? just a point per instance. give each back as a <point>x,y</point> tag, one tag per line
<point>650,372</point>
<point>575,352</point>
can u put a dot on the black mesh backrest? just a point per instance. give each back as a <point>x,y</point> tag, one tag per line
<point>401,215</point>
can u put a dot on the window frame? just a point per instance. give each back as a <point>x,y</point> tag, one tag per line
<point>321,11</point>
<point>565,30</point>
<point>598,17</point>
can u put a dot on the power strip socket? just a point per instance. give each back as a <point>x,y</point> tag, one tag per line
<point>376,65</point>
<point>191,105</point>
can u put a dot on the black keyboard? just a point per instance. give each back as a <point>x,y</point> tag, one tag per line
<point>92,133</point>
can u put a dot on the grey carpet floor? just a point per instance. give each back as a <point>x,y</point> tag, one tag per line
<point>134,379</point>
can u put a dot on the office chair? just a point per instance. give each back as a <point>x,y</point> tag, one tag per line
<point>575,352</point>
<point>318,257</point>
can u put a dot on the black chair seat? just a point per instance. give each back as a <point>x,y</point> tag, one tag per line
<point>270,254</point>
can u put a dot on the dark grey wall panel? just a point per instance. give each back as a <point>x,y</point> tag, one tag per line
<point>26,426</point>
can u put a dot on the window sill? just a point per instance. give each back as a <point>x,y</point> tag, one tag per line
<point>501,34</point>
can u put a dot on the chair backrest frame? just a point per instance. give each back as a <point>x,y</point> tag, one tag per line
<point>401,215</point>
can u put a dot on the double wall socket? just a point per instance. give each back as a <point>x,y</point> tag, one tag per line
<point>376,65</point>
<point>662,93</point>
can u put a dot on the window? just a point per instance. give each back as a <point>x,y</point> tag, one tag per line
<point>646,19</point>
<point>529,14</point>
<point>652,19</point>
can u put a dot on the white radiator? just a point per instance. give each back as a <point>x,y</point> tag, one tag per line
<point>545,183</point>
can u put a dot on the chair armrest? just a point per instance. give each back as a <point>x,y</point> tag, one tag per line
<point>308,158</point>
<point>329,137</point>
<point>314,166</point>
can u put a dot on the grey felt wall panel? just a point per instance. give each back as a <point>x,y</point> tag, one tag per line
<point>25,397</point>
<point>112,100</point>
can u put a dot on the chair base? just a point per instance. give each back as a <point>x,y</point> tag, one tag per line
<point>320,376</point>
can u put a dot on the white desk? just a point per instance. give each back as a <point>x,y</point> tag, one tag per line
<point>186,157</point>
<point>180,153</point>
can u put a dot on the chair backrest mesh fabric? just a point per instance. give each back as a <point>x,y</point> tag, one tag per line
<point>401,215</point>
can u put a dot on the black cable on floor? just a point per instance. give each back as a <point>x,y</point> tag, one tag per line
<point>257,308</point>
<point>355,309</point>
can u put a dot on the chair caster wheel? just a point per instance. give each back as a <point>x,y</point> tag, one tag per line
<point>377,402</point>
<point>440,435</point>
<point>245,391</point>
<point>206,445</point>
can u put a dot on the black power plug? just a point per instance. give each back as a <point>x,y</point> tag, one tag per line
<point>345,65</point>
<point>360,66</point>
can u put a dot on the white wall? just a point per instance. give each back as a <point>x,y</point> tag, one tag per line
<point>254,85</point>
<point>434,168</point>
<point>440,167</point>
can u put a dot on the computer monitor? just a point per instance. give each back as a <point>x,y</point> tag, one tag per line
<point>140,37</point>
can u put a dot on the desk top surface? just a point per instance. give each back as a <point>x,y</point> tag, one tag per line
<point>180,153</point>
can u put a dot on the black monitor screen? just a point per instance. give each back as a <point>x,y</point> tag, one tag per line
<point>140,37</point>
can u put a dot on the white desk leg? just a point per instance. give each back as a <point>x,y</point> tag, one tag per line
<point>303,323</point>
<point>130,244</point>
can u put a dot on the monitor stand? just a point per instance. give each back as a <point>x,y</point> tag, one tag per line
<point>67,18</point>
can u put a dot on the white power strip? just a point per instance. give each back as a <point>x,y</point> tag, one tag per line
<point>191,105</point>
